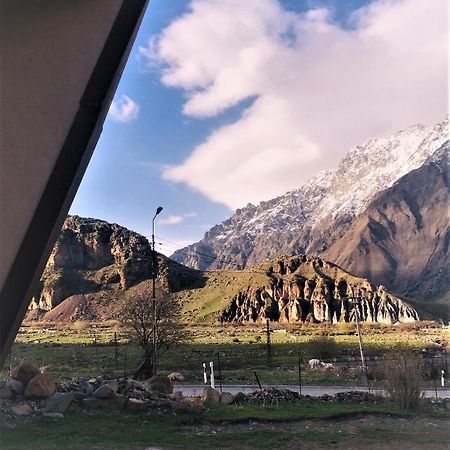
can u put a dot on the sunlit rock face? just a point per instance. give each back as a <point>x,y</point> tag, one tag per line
<point>93,256</point>
<point>309,289</point>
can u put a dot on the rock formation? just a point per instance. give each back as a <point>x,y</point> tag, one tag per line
<point>309,289</point>
<point>93,259</point>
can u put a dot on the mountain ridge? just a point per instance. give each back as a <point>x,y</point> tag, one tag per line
<point>299,221</point>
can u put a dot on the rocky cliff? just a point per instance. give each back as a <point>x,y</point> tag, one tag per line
<point>311,218</point>
<point>309,289</point>
<point>92,256</point>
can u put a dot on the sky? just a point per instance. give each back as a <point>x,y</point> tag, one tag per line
<point>226,102</point>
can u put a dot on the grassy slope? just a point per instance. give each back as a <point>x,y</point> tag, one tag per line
<point>204,304</point>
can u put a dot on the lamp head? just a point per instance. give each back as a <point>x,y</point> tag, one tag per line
<point>158,210</point>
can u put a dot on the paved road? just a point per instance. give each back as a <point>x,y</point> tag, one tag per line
<point>315,391</point>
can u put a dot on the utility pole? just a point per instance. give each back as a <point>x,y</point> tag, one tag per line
<point>154,356</point>
<point>269,344</point>
<point>357,302</point>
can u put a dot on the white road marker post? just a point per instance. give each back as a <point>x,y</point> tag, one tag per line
<point>443,378</point>
<point>205,374</point>
<point>211,365</point>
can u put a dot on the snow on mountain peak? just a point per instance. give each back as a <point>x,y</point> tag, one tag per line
<point>331,196</point>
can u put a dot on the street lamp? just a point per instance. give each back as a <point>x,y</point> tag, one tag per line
<point>158,210</point>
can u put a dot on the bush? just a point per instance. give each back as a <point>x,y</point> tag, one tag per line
<point>321,347</point>
<point>403,379</point>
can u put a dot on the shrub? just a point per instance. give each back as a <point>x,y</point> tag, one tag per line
<point>321,347</point>
<point>403,379</point>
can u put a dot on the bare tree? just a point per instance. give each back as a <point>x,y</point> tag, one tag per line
<point>136,314</point>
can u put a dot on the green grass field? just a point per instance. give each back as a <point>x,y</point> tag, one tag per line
<point>88,349</point>
<point>316,425</point>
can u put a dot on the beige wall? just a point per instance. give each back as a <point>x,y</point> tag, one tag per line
<point>48,50</point>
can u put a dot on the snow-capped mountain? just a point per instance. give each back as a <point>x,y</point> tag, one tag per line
<point>312,217</point>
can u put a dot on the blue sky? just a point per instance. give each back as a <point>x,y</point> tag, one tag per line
<point>201,133</point>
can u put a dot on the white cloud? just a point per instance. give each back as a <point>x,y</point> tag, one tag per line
<point>177,219</point>
<point>318,88</point>
<point>124,110</point>
<point>171,220</point>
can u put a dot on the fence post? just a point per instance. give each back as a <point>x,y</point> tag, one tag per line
<point>125,358</point>
<point>213,384</point>
<point>257,380</point>
<point>220,371</point>
<point>300,360</point>
<point>205,374</point>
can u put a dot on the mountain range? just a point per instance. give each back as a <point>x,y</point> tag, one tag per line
<point>381,214</point>
<point>376,226</point>
<point>95,265</point>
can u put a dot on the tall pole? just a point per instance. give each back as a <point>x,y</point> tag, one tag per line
<point>269,349</point>
<point>154,337</point>
<point>357,302</point>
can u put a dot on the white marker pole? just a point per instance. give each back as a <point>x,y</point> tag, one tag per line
<point>205,374</point>
<point>443,378</point>
<point>211,365</point>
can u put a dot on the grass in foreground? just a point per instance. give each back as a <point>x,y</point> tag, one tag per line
<point>236,427</point>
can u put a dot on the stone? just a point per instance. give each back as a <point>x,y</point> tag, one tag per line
<point>59,402</point>
<point>5,393</point>
<point>175,376</point>
<point>16,386</point>
<point>226,398</point>
<point>135,384</point>
<point>105,404</point>
<point>41,386</point>
<point>240,397</point>
<point>190,405</point>
<point>105,391</point>
<point>161,384</point>
<point>78,395</point>
<point>211,395</point>
<point>85,387</point>
<point>24,373</point>
<point>114,385</point>
<point>21,409</point>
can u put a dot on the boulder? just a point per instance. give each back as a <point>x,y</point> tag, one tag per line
<point>226,398</point>
<point>191,405</point>
<point>105,404</point>
<point>24,373</point>
<point>85,387</point>
<point>16,386</point>
<point>5,393</point>
<point>21,409</point>
<point>161,384</point>
<point>59,402</point>
<point>240,397</point>
<point>41,386</point>
<point>211,395</point>
<point>105,391</point>
<point>133,384</point>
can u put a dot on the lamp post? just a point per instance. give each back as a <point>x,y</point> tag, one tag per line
<point>154,359</point>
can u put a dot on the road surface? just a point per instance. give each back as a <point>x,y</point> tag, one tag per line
<point>314,391</point>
